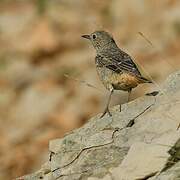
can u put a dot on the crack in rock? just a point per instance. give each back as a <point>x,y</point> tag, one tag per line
<point>84,149</point>
<point>148,176</point>
<point>132,121</point>
<point>175,156</point>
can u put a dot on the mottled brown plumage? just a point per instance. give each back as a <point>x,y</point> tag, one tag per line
<point>116,69</point>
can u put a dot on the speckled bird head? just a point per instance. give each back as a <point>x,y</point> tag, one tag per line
<point>100,40</point>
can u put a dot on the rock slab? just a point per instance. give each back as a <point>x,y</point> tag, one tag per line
<point>140,142</point>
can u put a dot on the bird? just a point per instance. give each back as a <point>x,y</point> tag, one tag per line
<point>115,68</point>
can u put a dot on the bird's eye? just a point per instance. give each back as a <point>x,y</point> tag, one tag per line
<point>94,36</point>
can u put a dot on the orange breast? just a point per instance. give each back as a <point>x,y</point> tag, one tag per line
<point>124,81</point>
<point>128,79</point>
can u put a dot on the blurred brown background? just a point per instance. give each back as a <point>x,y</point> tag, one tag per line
<point>40,42</point>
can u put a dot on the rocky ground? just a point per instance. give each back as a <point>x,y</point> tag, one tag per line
<point>40,42</point>
<point>140,142</point>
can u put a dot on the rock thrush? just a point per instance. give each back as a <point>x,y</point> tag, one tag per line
<point>116,69</point>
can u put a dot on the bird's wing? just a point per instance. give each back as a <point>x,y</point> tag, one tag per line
<point>118,62</point>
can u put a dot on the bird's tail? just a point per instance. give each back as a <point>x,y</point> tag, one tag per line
<point>144,80</point>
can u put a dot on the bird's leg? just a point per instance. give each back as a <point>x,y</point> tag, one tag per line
<point>107,105</point>
<point>129,94</point>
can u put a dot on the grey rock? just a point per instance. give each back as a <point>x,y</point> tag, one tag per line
<point>172,173</point>
<point>135,143</point>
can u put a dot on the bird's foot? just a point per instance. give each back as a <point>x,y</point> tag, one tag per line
<point>106,111</point>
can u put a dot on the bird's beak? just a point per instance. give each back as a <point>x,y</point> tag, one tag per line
<point>86,36</point>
